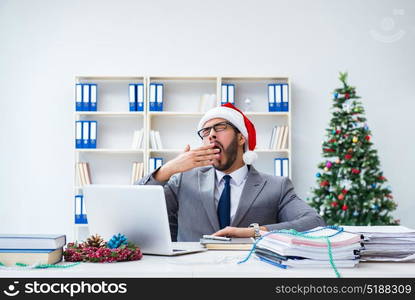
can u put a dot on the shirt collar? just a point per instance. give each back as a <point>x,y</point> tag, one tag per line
<point>238,176</point>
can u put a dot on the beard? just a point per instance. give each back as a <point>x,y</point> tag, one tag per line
<point>230,154</point>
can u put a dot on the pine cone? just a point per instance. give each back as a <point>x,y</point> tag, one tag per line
<point>95,241</point>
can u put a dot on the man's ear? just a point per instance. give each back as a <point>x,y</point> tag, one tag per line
<point>241,139</point>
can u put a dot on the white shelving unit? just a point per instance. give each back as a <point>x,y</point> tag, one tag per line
<point>111,162</point>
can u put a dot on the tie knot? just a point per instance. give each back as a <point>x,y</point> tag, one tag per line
<point>227,178</point>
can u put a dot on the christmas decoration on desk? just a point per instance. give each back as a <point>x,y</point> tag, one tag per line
<point>352,190</point>
<point>94,249</point>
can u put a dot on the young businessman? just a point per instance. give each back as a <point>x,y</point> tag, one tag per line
<point>214,189</point>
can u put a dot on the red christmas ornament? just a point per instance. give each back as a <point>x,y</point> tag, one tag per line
<point>347,96</point>
<point>334,204</point>
<point>345,207</point>
<point>338,131</point>
<point>348,156</point>
<point>355,171</point>
<point>340,197</point>
<point>332,141</point>
<point>324,183</point>
<point>344,191</point>
<point>382,178</point>
<point>367,138</point>
<point>389,196</point>
<point>328,150</point>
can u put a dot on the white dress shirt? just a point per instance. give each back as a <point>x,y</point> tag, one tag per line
<point>237,184</point>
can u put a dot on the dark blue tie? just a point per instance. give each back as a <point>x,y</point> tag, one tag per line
<point>224,206</point>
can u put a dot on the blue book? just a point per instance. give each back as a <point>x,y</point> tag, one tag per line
<point>93,93</point>
<point>159,97</point>
<point>132,95</point>
<point>278,167</point>
<point>140,97</point>
<point>284,96</point>
<point>285,167</point>
<point>228,93</point>
<point>92,141</point>
<point>78,97</point>
<point>278,97</point>
<point>85,134</point>
<point>153,97</point>
<point>78,134</point>
<point>85,97</point>
<point>32,241</point>
<point>271,97</point>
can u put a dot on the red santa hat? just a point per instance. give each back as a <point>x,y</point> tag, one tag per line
<point>232,114</point>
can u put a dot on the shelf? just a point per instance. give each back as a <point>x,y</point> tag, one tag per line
<point>110,113</point>
<point>285,114</point>
<point>108,78</point>
<point>175,113</point>
<point>111,151</point>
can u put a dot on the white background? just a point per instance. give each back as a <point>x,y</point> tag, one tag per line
<point>44,44</point>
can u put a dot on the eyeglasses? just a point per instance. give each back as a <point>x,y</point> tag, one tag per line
<point>204,132</point>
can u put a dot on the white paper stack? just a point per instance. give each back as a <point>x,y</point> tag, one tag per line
<point>386,243</point>
<point>298,251</point>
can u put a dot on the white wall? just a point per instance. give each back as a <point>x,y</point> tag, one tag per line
<point>44,44</point>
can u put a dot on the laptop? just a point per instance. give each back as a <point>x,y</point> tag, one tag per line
<point>137,211</point>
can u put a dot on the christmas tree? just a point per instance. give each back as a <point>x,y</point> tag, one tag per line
<point>351,187</point>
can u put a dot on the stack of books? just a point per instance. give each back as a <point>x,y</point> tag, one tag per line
<point>31,249</point>
<point>155,140</point>
<point>138,139</point>
<point>287,250</point>
<point>230,244</point>
<point>83,172</point>
<point>279,138</point>
<point>386,243</point>
<point>137,171</point>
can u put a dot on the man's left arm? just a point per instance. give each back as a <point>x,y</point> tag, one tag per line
<point>292,213</point>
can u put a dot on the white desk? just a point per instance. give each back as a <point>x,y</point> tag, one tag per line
<point>211,264</point>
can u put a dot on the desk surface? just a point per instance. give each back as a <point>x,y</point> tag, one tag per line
<point>211,264</point>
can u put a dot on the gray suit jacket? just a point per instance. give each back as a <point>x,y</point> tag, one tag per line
<point>266,199</point>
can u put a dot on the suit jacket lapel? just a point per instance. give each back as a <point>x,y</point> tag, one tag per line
<point>206,181</point>
<point>253,186</point>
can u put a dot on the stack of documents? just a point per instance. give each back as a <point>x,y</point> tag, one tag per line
<point>386,243</point>
<point>284,249</point>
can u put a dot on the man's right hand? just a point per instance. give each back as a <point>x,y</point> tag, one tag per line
<point>189,159</point>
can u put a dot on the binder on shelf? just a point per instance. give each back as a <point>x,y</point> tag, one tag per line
<point>159,96</point>
<point>85,134</point>
<point>92,134</point>
<point>278,97</point>
<point>140,97</point>
<point>85,97</point>
<point>78,135</point>
<point>153,97</point>
<point>93,97</point>
<point>84,219</point>
<point>285,169</point>
<point>224,94</point>
<point>228,93</point>
<point>132,91</point>
<point>158,140</point>
<point>78,97</point>
<point>155,162</point>
<point>278,167</point>
<point>80,212</point>
<point>284,96</point>
<point>271,97</point>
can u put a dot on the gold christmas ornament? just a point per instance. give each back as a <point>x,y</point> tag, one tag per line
<point>355,140</point>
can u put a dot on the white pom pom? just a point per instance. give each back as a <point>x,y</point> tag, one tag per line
<point>249,157</point>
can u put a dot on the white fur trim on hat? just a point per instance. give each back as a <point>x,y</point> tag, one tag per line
<point>249,157</point>
<point>226,113</point>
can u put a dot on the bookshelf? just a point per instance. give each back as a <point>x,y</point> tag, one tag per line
<point>111,162</point>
